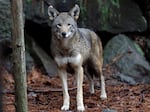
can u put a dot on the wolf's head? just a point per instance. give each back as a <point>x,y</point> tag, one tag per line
<point>64,24</point>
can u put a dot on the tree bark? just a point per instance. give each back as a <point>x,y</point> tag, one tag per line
<point>19,65</point>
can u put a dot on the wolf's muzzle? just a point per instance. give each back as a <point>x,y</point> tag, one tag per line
<point>64,34</point>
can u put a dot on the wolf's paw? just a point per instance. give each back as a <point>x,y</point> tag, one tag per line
<point>92,91</point>
<point>65,107</point>
<point>81,108</point>
<point>103,97</point>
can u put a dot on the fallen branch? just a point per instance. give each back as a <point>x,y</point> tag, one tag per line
<point>115,59</point>
<point>38,90</point>
<point>49,90</point>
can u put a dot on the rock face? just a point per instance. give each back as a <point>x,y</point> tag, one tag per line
<point>132,66</point>
<point>147,50</point>
<point>5,19</point>
<point>5,51</point>
<point>114,16</point>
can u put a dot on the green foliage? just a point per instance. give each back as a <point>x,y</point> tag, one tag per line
<point>139,49</point>
<point>29,1</point>
<point>104,9</point>
<point>64,1</point>
<point>83,11</point>
<point>105,14</point>
<point>107,9</point>
<point>115,3</point>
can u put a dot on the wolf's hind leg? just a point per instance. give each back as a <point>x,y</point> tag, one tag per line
<point>90,79</point>
<point>91,85</point>
<point>103,91</point>
<point>97,66</point>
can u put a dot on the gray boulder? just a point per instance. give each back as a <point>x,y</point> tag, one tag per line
<point>109,110</point>
<point>132,66</point>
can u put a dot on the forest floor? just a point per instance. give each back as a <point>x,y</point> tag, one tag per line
<point>45,95</point>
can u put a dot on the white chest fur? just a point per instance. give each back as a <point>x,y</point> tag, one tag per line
<point>75,60</point>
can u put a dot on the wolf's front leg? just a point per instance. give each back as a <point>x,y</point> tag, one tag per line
<point>80,105</point>
<point>66,99</point>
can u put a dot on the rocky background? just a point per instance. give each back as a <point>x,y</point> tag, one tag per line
<point>123,26</point>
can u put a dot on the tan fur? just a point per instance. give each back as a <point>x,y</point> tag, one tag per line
<point>78,49</point>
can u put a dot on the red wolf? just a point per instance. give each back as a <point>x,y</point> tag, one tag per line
<point>75,48</point>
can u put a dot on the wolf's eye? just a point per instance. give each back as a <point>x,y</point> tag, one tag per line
<point>69,24</point>
<point>58,25</point>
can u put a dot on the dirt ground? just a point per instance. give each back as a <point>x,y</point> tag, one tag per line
<point>45,95</point>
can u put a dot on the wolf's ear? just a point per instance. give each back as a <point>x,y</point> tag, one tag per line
<point>52,12</point>
<point>75,11</point>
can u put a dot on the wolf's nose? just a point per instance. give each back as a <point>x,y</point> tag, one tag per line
<point>63,34</point>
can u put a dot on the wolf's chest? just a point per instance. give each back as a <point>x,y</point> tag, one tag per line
<point>73,60</point>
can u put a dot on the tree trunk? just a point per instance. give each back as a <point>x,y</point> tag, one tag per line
<point>19,56</point>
